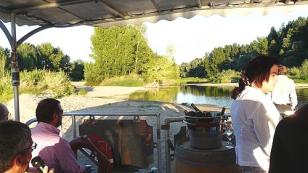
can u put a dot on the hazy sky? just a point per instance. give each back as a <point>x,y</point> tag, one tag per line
<point>190,38</point>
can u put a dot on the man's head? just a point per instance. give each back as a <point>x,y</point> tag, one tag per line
<point>282,70</point>
<point>15,146</point>
<point>49,111</point>
<point>4,112</point>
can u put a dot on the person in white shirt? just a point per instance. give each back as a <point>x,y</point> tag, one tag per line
<point>284,93</point>
<point>254,116</point>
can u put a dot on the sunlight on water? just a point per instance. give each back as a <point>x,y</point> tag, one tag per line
<point>219,96</point>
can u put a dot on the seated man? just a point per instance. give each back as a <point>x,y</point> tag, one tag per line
<point>15,147</point>
<point>53,149</point>
<point>289,152</point>
<point>4,112</point>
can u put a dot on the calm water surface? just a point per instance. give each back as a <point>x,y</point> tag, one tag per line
<point>199,95</point>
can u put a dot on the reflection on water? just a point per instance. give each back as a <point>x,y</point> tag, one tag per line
<point>205,95</point>
<point>166,94</point>
<point>219,96</point>
<point>302,96</point>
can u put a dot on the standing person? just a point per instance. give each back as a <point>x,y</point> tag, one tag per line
<point>284,93</point>
<point>289,152</point>
<point>254,116</point>
<point>4,112</point>
<point>53,149</point>
<point>16,146</point>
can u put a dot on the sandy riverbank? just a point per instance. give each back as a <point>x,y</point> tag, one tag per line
<point>96,96</point>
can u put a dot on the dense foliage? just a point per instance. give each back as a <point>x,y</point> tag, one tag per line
<point>122,51</point>
<point>289,44</point>
<point>42,57</point>
<point>37,82</point>
<point>43,69</point>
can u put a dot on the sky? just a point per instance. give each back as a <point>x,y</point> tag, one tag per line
<point>189,38</point>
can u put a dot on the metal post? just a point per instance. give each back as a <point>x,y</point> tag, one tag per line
<point>158,143</point>
<point>167,151</point>
<point>74,126</point>
<point>166,125</point>
<point>15,69</point>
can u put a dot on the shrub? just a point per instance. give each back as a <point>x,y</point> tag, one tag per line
<point>36,82</point>
<point>294,73</point>
<point>300,74</point>
<point>6,89</point>
<point>226,76</point>
<point>29,81</point>
<point>92,75</point>
<point>58,83</point>
<point>192,80</point>
<point>82,91</point>
<point>304,70</point>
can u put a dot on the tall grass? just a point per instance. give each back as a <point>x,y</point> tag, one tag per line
<point>37,82</point>
<point>6,90</point>
<point>129,80</point>
<point>189,80</point>
<point>299,74</point>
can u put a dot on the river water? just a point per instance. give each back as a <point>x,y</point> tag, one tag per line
<point>219,96</point>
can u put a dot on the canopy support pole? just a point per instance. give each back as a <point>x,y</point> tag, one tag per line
<point>14,67</point>
<point>22,39</point>
<point>6,32</point>
<point>14,59</point>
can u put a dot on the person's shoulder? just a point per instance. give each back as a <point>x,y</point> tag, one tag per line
<point>251,93</point>
<point>287,123</point>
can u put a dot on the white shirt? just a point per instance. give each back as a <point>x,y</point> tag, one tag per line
<point>254,119</point>
<point>284,91</point>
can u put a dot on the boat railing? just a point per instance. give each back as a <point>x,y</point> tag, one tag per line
<point>135,116</point>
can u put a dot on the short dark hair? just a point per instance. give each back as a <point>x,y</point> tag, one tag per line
<point>14,136</point>
<point>256,71</point>
<point>46,108</point>
<point>3,112</point>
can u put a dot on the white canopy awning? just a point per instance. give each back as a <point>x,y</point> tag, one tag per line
<point>106,13</point>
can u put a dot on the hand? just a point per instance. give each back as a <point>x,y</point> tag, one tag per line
<point>45,170</point>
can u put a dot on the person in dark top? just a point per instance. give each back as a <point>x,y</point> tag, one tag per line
<point>289,152</point>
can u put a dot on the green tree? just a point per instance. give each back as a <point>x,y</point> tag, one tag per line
<point>77,72</point>
<point>160,69</point>
<point>53,59</point>
<point>4,57</point>
<point>27,56</point>
<point>118,51</point>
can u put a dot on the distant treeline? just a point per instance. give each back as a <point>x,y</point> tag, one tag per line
<point>124,51</point>
<point>42,57</point>
<point>289,44</point>
<point>44,69</point>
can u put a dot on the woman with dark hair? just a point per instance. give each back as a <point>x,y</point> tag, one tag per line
<point>254,116</point>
